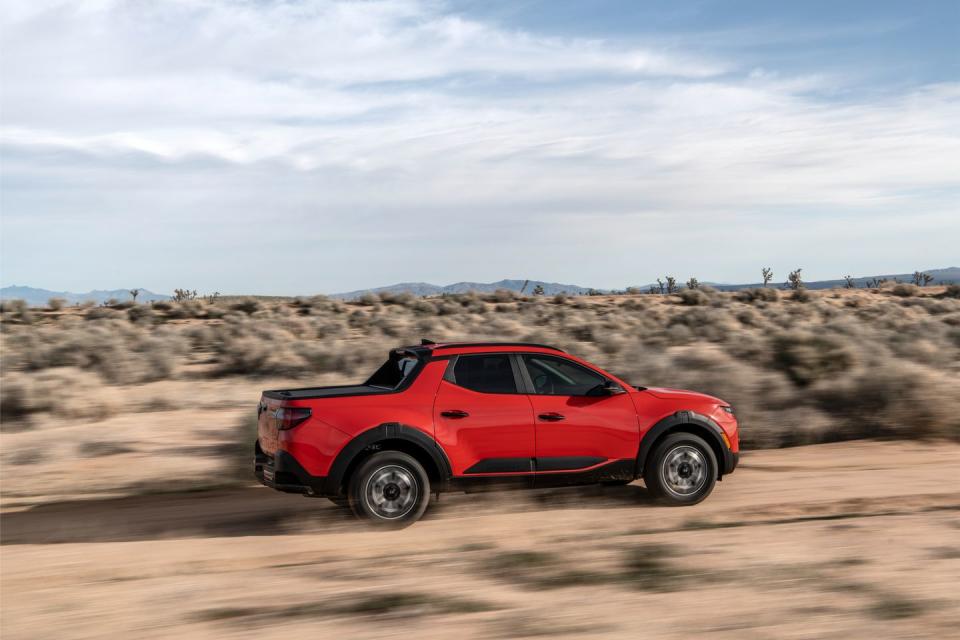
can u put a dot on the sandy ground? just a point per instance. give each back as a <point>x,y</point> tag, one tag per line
<point>854,540</point>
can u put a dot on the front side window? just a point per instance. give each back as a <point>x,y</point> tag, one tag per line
<point>552,376</point>
<point>484,373</point>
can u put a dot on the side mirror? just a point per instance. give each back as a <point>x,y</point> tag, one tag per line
<point>608,388</point>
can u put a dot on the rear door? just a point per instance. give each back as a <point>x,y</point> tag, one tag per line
<point>483,419</point>
<point>574,430</point>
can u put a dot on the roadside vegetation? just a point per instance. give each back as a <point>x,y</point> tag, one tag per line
<point>799,366</point>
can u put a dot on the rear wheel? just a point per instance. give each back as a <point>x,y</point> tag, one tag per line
<point>389,489</point>
<point>682,470</point>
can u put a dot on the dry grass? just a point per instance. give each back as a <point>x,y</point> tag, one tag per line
<point>824,366</point>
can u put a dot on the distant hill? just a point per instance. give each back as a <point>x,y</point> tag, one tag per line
<point>427,289</point>
<point>39,297</point>
<point>950,275</point>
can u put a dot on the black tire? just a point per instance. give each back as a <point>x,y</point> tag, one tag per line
<point>389,489</point>
<point>681,470</point>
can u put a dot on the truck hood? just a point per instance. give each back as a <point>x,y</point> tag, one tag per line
<point>682,394</point>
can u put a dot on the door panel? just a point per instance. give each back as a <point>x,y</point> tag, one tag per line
<point>495,437</point>
<point>576,430</point>
<point>593,430</point>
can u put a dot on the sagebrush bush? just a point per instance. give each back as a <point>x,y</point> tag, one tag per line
<point>694,297</point>
<point>905,290</point>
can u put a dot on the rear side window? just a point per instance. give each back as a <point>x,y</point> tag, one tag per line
<point>485,373</point>
<point>393,372</point>
<point>554,376</point>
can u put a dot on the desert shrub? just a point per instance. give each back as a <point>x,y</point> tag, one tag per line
<point>501,295</point>
<point>402,298</point>
<point>801,295</point>
<point>808,357</point>
<point>891,399</point>
<point>248,306</point>
<point>161,305</point>
<point>13,306</point>
<point>904,290</point>
<point>764,294</point>
<point>694,297</point>
<point>141,314</point>
<point>99,313</point>
<point>186,309</point>
<point>56,304</point>
<point>367,300</point>
<point>17,401</point>
<point>952,291</point>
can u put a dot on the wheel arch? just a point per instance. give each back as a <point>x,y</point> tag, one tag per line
<point>390,436</point>
<point>687,422</point>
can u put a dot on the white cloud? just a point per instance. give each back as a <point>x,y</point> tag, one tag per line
<point>314,111</point>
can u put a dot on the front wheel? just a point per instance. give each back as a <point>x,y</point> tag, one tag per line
<point>682,470</point>
<point>389,489</point>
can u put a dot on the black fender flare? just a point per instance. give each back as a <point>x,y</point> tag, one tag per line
<point>726,460</point>
<point>380,433</point>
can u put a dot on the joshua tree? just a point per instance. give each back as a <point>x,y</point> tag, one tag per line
<point>794,281</point>
<point>653,290</point>
<point>693,283</point>
<point>660,285</point>
<point>632,291</point>
<point>671,284</point>
<point>849,284</point>
<point>213,296</point>
<point>134,293</point>
<point>180,295</point>
<point>767,275</point>
<point>876,283</point>
<point>922,279</point>
<point>538,290</point>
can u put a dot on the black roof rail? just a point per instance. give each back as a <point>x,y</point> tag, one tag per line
<point>463,345</point>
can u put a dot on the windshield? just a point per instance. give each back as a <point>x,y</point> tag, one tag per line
<point>393,372</point>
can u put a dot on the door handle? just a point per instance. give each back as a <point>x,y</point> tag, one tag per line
<point>454,413</point>
<point>551,417</point>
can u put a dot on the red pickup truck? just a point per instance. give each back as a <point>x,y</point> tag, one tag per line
<point>464,416</point>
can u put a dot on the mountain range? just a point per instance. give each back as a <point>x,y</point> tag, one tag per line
<point>39,297</point>
<point>950,275</point>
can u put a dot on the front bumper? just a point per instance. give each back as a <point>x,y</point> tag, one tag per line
<point>283,473</point>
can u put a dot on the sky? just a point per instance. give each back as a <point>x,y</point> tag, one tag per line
<point>315,146</point>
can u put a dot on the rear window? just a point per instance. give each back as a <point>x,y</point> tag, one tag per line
<point>485,373</point>
<point>394,372</point>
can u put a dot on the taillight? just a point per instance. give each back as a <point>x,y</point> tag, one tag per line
<point>289,417</point>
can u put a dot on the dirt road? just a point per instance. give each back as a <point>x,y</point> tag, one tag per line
<point>855,540</point>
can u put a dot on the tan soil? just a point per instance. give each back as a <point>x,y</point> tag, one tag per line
<point>854,540</point>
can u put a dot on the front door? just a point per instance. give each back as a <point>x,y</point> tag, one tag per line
<point>576,431</point>
<point>483,420</point>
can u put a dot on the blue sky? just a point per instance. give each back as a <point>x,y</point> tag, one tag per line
<point>306,147</point>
